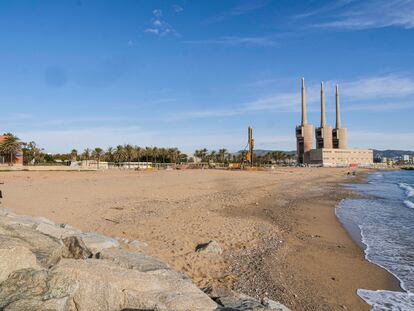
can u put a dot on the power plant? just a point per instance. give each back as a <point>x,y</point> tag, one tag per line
<point>331,144</point>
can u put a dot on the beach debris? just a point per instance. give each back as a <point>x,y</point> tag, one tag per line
<point>75,248</point>
<point>209,247</point>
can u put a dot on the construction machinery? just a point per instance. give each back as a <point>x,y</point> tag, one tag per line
<point>248,156</point>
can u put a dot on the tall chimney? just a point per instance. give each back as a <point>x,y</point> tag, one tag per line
<point>304,120</point>
<point>323,117</point>
<point>338,112</point>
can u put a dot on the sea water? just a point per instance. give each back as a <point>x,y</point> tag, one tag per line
<point>385,218</point>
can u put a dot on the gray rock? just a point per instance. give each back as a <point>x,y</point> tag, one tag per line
<point>216,292</point>
<point>16,258</point>
<point>47,250</point>
<point>23,284</point>
<point>239,303</point>
<point>209,247</point>
<point>57,232</point>
<point>136,261</point>
<point>75,248</point>
<point>97,242</point>
<point>103,285</point>
<point>62,304</point>
<point>36,275</point>
<point>274,305</point>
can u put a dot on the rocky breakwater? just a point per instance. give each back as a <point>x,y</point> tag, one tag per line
<point>45,266</point>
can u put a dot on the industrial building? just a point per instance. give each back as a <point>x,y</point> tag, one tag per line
<point>331,144</point>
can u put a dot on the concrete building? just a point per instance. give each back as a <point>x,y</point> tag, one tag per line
<point>341,157</point>
<point>331,144</point>
<point>339,134</point>
<point>323,134</point>
<point>304,132</point>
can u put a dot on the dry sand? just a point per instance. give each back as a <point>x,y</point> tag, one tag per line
<point>278,229</point>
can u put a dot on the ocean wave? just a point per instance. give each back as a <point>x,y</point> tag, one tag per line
<point>381,300</point>
<point>409,191</point>
<point>409,204</point>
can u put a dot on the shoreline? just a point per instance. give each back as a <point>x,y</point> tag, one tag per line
<point>280,235</point>
<point>343,257</point>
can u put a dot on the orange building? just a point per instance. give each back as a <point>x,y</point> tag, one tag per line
<point>17,159</point>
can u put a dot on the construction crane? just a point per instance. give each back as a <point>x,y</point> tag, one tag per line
<point>249,154</point>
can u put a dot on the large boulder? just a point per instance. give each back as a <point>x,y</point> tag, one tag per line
<point>44,267</point>
<point>97,242</point>
<point>16,258</point>
<point>75,248</point>
<point>136,261</point>
<point>47,250</point>
<point>95,284</point>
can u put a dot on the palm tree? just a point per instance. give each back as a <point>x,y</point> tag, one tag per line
<point>109,156</point>
<point>155,153</point>
<point>86,155</point>
<point>138,153</point>
<point>74,154</point>
<point>97,154</point>
<point>213,156</point>
<point>148,152</point>
<point>222,154</point>
<point>10,146</point>
<point>130,153</point>
<point>119,154</point>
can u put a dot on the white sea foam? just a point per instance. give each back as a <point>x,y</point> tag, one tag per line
<point>386,226</point>
<point>409,204</point>
<point>409,191</point>
<point>381,300</point>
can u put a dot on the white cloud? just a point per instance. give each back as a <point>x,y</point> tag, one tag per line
<point>159,26</point>
<point>382,140</point>
<point>364,94</point>
<point>236,40</point>
<point>372,14</point>
<point>177,8</point>
<point>385,86</point>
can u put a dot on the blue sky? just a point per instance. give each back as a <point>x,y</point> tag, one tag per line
<point>192,74</point>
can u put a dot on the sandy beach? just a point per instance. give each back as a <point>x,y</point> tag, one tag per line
<point>278,229</point>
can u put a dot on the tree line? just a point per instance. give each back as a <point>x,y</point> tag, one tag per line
<point>33,154</point>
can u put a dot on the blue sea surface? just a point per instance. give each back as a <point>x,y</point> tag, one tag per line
<point>385,219</point>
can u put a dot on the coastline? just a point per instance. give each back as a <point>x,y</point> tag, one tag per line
<point>280,235</point>
<point>323,261</point>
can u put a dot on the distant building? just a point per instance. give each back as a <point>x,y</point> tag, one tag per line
<point>304,132</point>
<point>406,158</point>
<point>331,144</point>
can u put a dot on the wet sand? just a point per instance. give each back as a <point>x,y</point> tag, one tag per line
<point>278,229</point>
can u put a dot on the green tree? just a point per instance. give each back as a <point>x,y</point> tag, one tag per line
<point>32,153</point>
<point>86,155</point>
<point>74,154</point>
<point>119,154</point>
<point>97,153</point>
<point>222,155</point>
